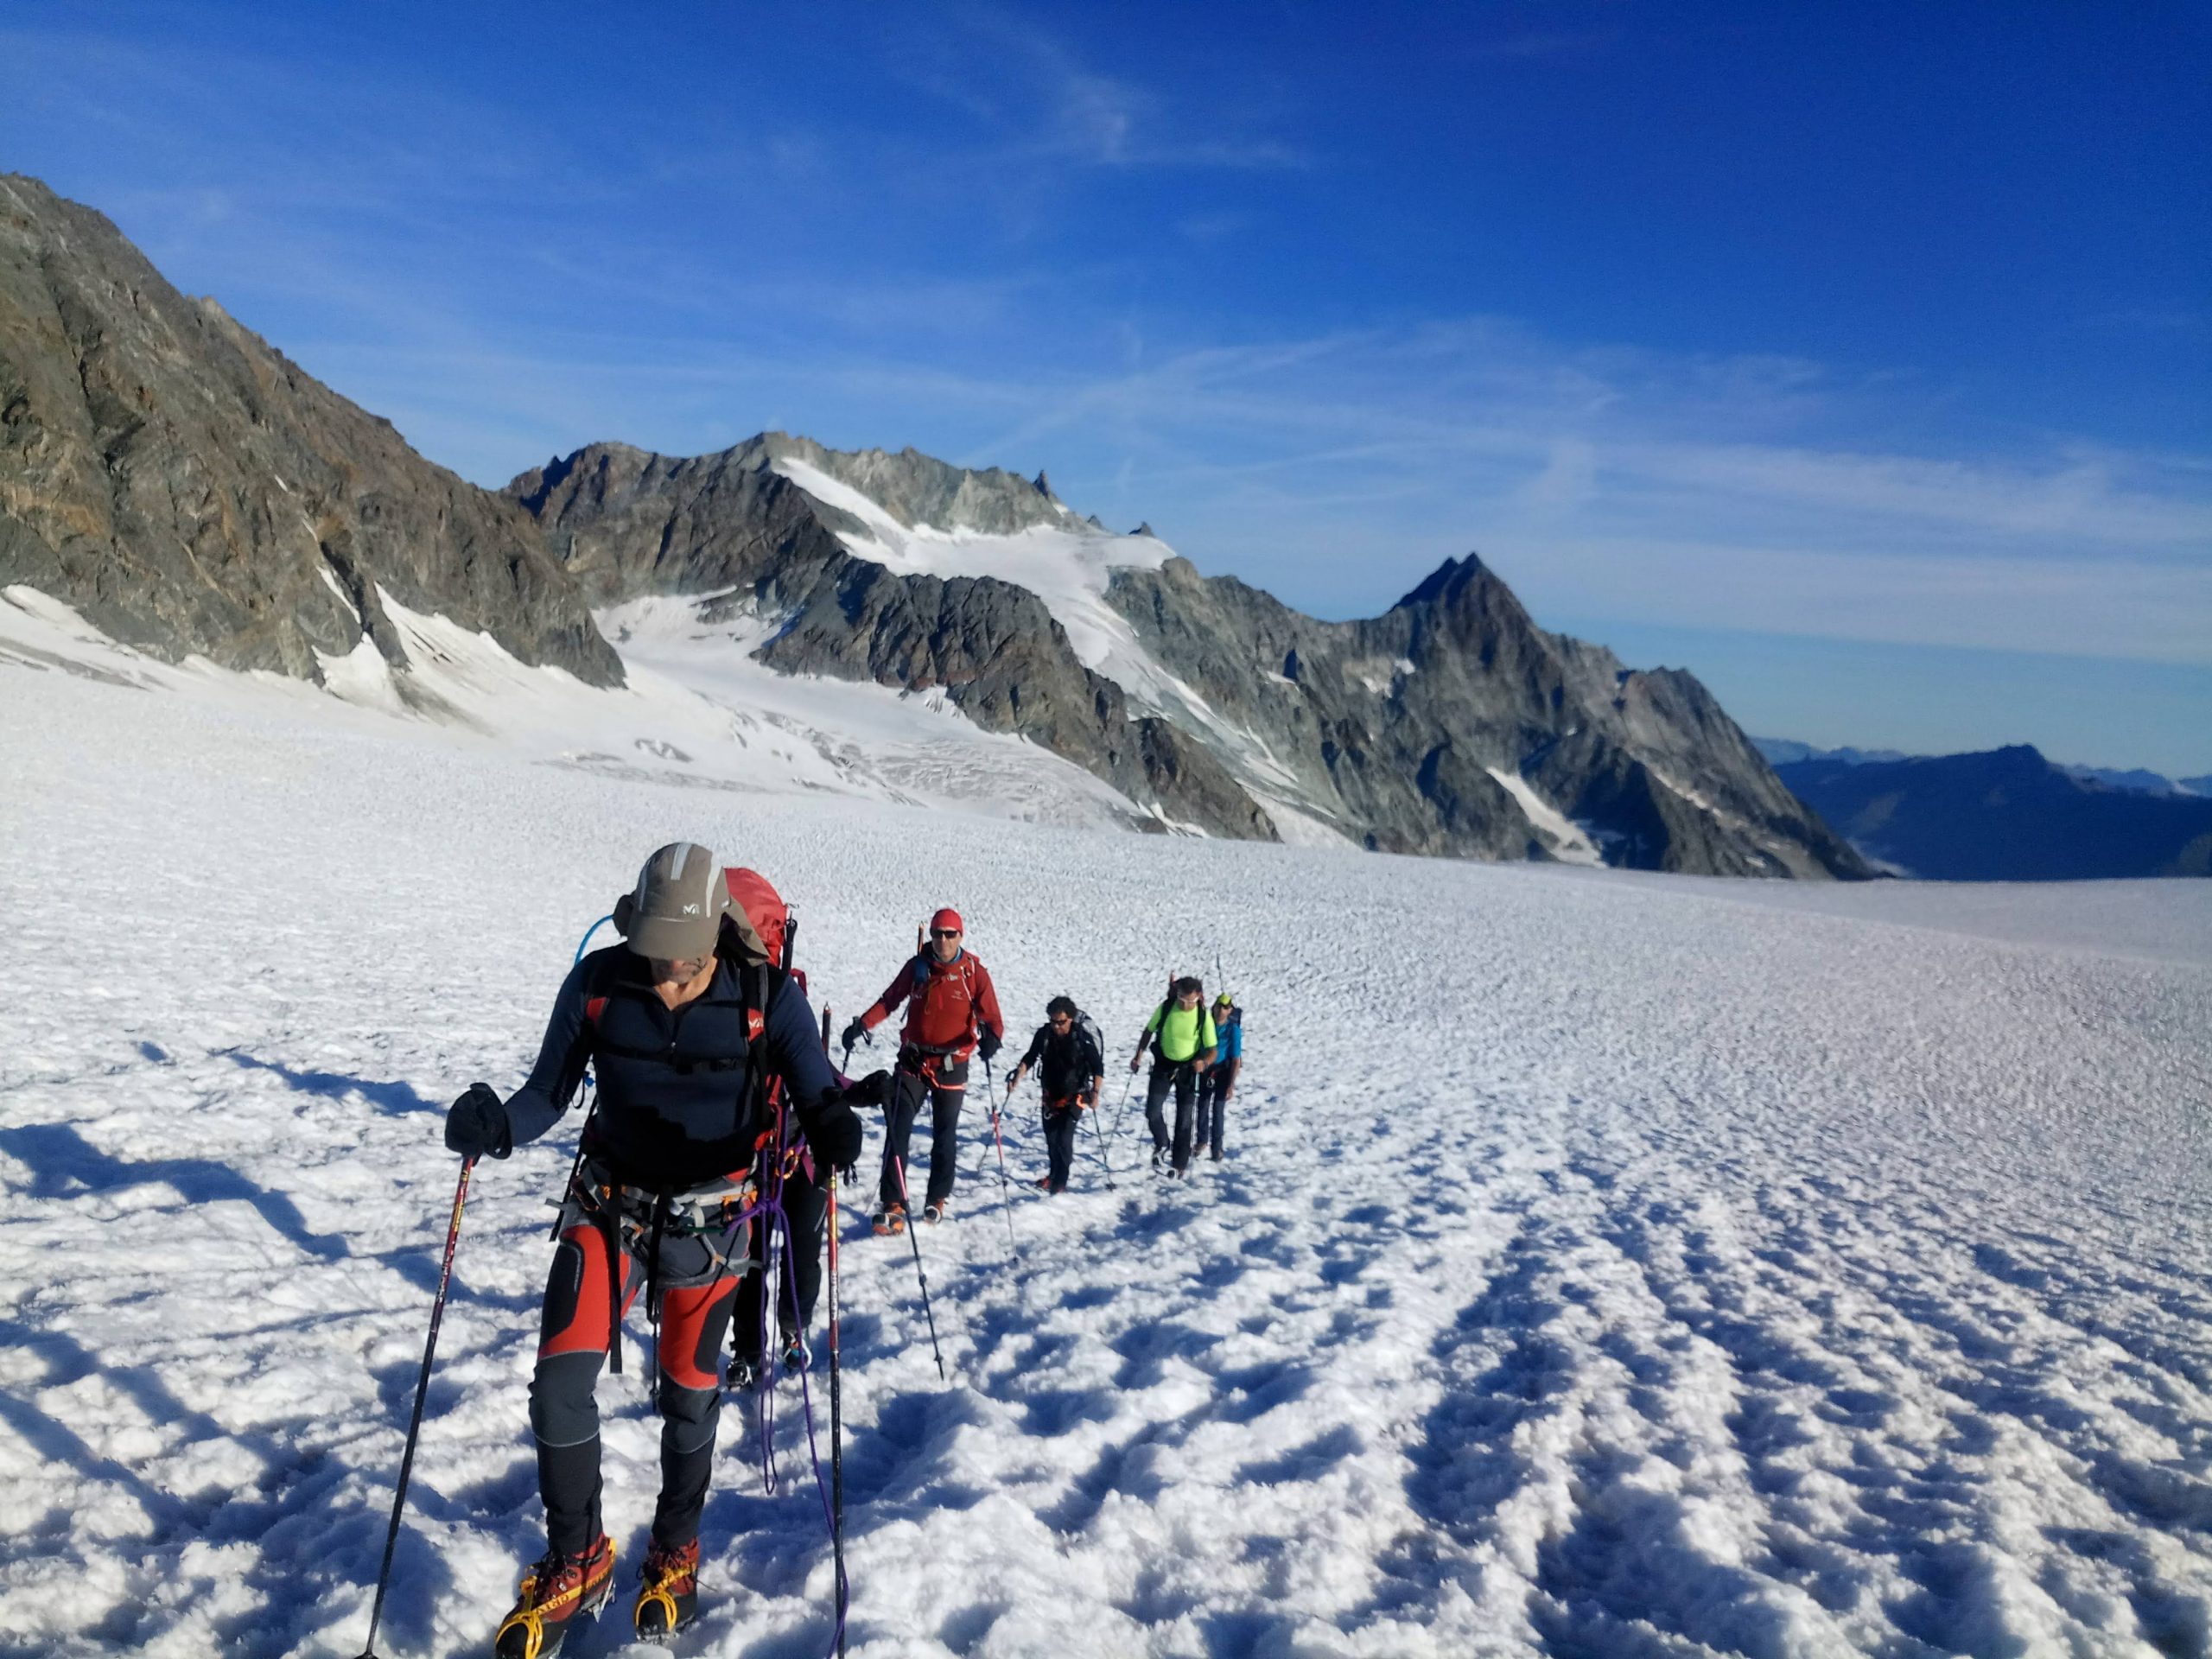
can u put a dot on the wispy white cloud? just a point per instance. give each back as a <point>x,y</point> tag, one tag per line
<point>1039,102</point>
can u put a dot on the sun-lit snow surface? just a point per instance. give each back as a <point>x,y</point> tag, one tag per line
<point>1604,1265</point>
<point>697,713</point>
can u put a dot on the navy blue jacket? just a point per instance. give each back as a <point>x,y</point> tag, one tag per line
<point>676,1106</point>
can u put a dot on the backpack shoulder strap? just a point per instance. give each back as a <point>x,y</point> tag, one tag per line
<point>596,991</point>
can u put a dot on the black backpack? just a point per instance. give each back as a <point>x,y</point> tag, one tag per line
<point>1095,1038</point>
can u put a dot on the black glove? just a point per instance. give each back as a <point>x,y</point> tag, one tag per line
<point>854,1033</point>
<point>834,1131</point>
<point>870,1090</point>
<point>476,1124</point>
<point>987,1044</point>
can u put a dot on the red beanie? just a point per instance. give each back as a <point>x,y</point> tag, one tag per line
<point>947,918</point>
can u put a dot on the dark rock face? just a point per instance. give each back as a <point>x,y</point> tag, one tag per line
<point>624,524</point>
<point>628,524</point>
<point>2007,814</point>
<point>190,490</point>
<point>1390,729</point>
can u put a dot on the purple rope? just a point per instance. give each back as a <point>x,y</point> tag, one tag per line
<point>772,1205</point>
<point>766,1397</point>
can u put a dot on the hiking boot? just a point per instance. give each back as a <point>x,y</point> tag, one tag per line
<point>1215,1154</point>
<point>668,1589</point>
<point>744,1375</point>
<point>938,1209</point>
<point>1046,1181</point>
<point>891,1220</point>
<point>552,1596</point>
<point>797,1355</point>
<point>1159,1158</point>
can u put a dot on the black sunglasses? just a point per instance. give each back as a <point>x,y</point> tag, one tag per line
<point>945,932</point>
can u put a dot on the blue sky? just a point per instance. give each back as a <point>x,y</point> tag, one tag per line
<point>1857,357</point>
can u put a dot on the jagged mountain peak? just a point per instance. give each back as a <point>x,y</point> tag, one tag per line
<point>1447,581</point>
<point>918,492</point>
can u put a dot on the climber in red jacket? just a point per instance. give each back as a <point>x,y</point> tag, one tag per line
<point>952,1012</point>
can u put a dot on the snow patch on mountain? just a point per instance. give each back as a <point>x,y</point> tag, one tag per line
<point>1068,569</point>
<point>1569,841</point>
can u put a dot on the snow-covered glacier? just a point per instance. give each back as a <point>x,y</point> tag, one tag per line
<point>1604,1265</point>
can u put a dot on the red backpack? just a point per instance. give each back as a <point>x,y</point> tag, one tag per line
<point>754,898</point>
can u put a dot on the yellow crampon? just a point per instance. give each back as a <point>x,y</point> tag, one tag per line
<point>656,1609</point>
<point>580,1585</point>
<point>522,1635</point>
<point>668,1591</point>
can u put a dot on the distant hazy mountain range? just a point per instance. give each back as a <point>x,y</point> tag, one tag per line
<point>184,488</point>
<point>2008,815</point>
<point>2137,780</point>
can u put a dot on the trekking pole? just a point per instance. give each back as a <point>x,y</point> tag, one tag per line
<point>414,1423</point>
<point>914,1238</point>
<point>1122,1111</point>
<point>1006,1182</point>
<point>836,1413</point>
<point>1104,1163</point>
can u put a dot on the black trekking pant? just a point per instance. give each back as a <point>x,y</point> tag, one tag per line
<point>1061,1118</point>
<point>694,1286</point>
<point>1183,1079</point>
<point>806,1205</point>
<point>1213,1109</point>
<point>943,1083</point>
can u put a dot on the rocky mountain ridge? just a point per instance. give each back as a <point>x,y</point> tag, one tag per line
<point>1451,725</point>
<point>729,528</point>
<point>190,490</point>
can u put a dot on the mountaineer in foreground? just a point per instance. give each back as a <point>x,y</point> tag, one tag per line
<point>682,1024</point>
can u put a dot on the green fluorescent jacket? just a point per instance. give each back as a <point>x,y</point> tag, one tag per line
<point>1187,1034</point>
